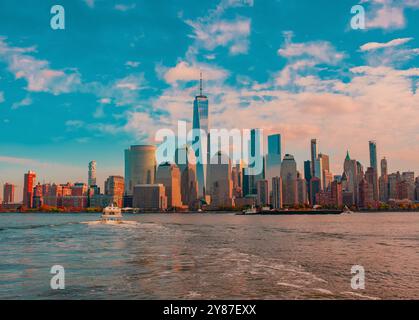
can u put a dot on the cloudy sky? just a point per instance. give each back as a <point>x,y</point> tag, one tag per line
<point>122,69</point>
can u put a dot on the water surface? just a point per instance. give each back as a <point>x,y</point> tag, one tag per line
<point>210,256</point>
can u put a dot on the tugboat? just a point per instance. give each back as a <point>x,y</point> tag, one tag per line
<point>111,215</point>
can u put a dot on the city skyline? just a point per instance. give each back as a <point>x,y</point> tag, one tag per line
<point>341,86</point>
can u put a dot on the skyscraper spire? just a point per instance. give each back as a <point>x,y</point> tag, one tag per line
<point>200,83</point>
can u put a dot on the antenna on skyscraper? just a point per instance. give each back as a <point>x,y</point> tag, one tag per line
<point>200,84</point>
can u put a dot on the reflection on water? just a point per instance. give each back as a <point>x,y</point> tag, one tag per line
<point>210,256</point>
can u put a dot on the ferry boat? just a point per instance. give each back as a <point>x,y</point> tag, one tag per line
<point>251,210</point>
<point>112,215</point>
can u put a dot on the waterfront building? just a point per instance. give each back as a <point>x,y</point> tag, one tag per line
<point>273,158</point>
<point>92,174</point>
<point>28,185</point>
<point>168,175</point>
<point>276,193</point>
<point>114,188</point>
<point>301,190</point>
<point>185,160</point>
<point>255,162</point>
<point>8,193</point>
<point>219,182</point>
<point>289,181</point>
<point>383,182</point>
<point>336,193</point>
<point>352,171</point>
<point>370,176</point>
<point>374,165</point>
<point>327,179</point>
<point>393,180</point>
<point>409,178</point>
<point>140,166</point>
<point>200,121</point>
<point>307,176</point>
<point>366,198</point>
<point>149,197</point>
<point>315,187</point>
<point>237,177</point>
<point>313,149</point>
<point>318,171</point>
<point>262,193</point>
<point>348,198</point>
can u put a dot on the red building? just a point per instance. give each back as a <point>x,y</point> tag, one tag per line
<point>28,184</point>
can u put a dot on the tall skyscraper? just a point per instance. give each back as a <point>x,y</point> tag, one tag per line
<point>201,122</point>
<point>313,148</point>
<point>188,184</point>
<point>140,166</point>
<point>351,170</point>
<point>307,176</point>
<point>276,192</point>
<point>273,158</point>
<point>383,181</point>
<point>220,184</point>
<point>289,180</point>
<point>373,155</point>
<point>92,173</point>
<point>374,165</point>
<point>28,185</point>
<point>262,193</point>
<point>8,193</point>
<point>168,174</point>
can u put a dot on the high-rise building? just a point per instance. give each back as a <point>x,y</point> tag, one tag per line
<point>370,176</point>
<point>374,165</point>
<point>313,148</point>
<point>28,185</point>
<point>276,192</point>
<point>352,170</point>
<point>301,190</point>
<point>409,179</point>
<point>393,180</point>
<point>289,181</point>
<point>262,193</point>
<point>149,197</point>
<point>219,182</point>
<point>237,177</point>
<point>114,187</point>
<point>92,173</point>
<point>185,160</point>
<point>273,158</point>
<point>168,175</point>
<point>383,181</point>
<point>336,193</point>
<point>307,176</point>
<point>315,188</point>
<point>201,122</point>
<point>373,155</point>
<point>140,166</point>
<point>255,163</point>
<point>365,194</point>
<point>8,193</point>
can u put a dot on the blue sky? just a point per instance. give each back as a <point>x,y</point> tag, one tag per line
<point>122,69</point>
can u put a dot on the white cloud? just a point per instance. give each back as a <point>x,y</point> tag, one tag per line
<point>232,34</point>
<point>37,73</point>
<point>27,101</point>
<point>379,45</point>
<point>125,7</point>
<point>388,14</point>
<point>132,64</point>
<point>184,71</point>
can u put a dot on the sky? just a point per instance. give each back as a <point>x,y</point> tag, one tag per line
<point>120,70</point>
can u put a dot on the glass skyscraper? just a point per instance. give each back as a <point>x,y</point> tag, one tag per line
<point>273,159</point>
<point>200,122</point>
<point>373,155</point>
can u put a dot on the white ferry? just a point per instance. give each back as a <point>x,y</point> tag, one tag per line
<point>111,215</point>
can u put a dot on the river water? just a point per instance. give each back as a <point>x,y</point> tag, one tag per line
<point>210,256</point>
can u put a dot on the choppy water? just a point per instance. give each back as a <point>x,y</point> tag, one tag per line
<point>210,256</point>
